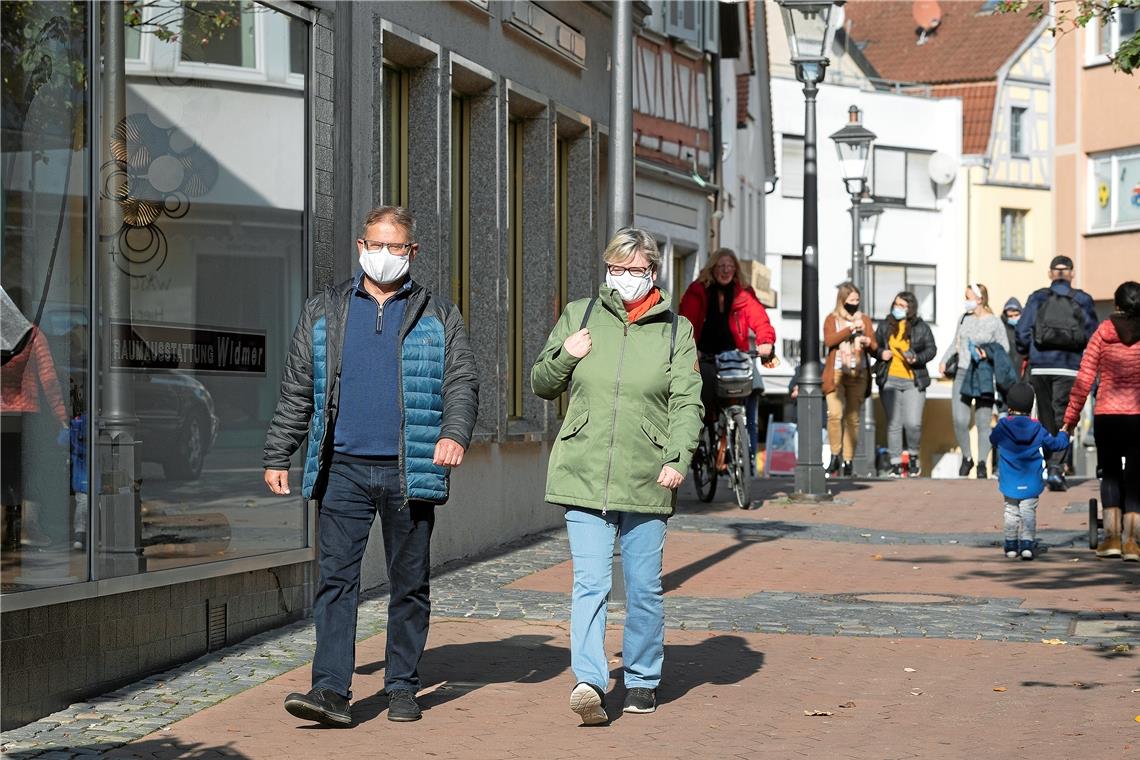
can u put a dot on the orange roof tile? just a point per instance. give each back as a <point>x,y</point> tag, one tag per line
<point>977,112</point>
<point>967,45</point>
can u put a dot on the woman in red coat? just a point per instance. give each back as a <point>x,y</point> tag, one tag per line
<point>724,309</point>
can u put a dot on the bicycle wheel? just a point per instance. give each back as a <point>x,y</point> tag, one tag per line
<point>741,475</point>
<point>704,469</point>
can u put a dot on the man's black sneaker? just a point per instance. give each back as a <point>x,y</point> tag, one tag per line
<point>590,703</point>
<point>319,705</point>
<point>640,700</point>
<point>848,468</point>
<point>403,707</point>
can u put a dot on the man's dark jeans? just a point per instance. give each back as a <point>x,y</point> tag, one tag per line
<point>1052,393</point>
<point>355,493</point>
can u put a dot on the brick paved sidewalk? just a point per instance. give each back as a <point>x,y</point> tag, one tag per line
<point>772,611</point>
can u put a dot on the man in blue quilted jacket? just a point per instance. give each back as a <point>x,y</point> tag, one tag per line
<point>381,381</point>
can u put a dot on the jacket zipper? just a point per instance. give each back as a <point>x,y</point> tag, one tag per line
<point>613,421</point>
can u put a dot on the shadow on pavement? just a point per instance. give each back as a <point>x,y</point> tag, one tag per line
<point>460,669</point>
<point>745,534</point>
<point>151,749</point>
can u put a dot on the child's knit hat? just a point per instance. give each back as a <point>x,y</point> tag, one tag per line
<point>1020,398</point>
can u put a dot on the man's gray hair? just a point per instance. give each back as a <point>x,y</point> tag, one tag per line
<point>627,242</point>
<point>397,215</point>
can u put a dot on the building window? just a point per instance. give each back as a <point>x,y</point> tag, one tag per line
<point>461,203</point>
<point>396,89</point>
<point>562,236</point>
<point>220,33</point>
<point>888,280</point>
<point>791,285</point>
<point>1013,234</point>
<point>1105,38</point>
<point>792,167</point>
<point>515,269</point>
<point>1115,191</point>
<point>902,177</point>
<point>1017,131</point>
<point>164,394</point>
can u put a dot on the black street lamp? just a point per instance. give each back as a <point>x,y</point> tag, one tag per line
<point>810,26</point>
<point>853,144</point>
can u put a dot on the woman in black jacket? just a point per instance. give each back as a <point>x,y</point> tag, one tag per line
<point>906,346</point>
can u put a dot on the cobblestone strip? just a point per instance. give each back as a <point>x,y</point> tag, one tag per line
<point>759,530</point>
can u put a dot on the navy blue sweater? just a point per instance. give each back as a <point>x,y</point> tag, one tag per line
<point>1049,359</point>
<point>1021,464</point>
<point>369,420</point>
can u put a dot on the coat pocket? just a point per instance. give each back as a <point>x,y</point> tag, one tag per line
<point>573,426</point>
<point>655,434</point>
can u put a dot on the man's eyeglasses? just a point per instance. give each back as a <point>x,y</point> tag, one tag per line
<point>396,249</point>
<point>617,271</point>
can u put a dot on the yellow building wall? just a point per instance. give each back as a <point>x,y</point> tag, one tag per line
<point>1005,279</point>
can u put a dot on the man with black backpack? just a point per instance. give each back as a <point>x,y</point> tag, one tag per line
<point>1053,331</point>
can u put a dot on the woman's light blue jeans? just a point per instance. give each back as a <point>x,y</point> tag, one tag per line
<point>592,548</point>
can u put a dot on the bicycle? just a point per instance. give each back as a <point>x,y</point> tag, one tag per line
<point>723,445</point>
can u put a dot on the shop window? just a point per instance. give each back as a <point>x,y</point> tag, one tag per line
<point>792,167</point>
<point>396,89</point>
<point>888,280</point>
<point>461,203</point>
<point>44,288</point>
<point>1013,234</point>
<point>516,248</point>
<point>1115,192</point>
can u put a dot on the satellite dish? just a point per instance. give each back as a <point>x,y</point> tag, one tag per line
<point>942,168</point>
<point>927,14</point>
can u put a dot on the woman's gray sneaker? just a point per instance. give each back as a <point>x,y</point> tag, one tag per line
<point>590,703</point>
<point>403,707</point>
<point>319,705</point>
<point>640,700</point>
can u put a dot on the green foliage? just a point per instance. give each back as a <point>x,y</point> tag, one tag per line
<point>1078,14</point>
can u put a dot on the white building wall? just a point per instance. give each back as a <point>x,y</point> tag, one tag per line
<point>906,235</point>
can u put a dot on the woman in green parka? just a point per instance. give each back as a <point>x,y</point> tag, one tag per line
<point>630,365</point>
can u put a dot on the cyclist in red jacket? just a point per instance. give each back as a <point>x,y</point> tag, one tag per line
<point>724,309</point>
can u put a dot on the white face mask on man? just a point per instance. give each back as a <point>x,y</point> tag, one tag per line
<point>383,266</point>
<point>629,286</point>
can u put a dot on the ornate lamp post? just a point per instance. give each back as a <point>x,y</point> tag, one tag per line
<point>853,144</point>
<point>810,26</point>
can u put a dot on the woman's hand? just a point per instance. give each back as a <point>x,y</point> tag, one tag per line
<point>886,355</point>
<point>942,369</point>
<point>1069,428</point>
<point>579,343</point>
<point>765,351</point>
<point>981,353</point>
<point>670,478</point>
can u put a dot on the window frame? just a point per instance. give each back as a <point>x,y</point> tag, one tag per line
<point>1017,119</point>
<point>461,203</point>
<point>905,200</point>
<point>516,246</point>
<point>907,285</point>
<point>1114,158</point>
<point>784,186</point>
<point>397,98</point>
<point>1020,217</point>
<point>1093,57</point>
<point>259,73</point>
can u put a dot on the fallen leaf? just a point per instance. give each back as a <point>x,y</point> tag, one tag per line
<point>909,670</point>
<point>1138,718</point>
<point>1054,642</point>
<point>876,556</point>
<point>916,692</point>
<point>814,713</point>
<point>1078,684</point>
<point>1122,648</point>
<point>1000,688</point>
<point>848,704</point>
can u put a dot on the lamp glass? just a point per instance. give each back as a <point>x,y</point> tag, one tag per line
<point>808,27</point>
<point>869,225</point>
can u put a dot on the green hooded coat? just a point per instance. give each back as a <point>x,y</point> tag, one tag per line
<point>631,410</point>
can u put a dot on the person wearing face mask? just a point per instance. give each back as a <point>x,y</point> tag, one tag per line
<point>850,340</point>
<point>629,434</point>
<point>906,346</point>
<point>977,329</point>
<point>726,314</point>
<point>368,356</point>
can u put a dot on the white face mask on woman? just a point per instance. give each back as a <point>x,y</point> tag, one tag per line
<point>384,267</point>
<point>969,305</point>
<point>629,286</point>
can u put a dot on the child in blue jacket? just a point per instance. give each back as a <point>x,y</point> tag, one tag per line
<point>1019,440</point>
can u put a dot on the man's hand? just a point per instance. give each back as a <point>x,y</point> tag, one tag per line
<point>765,351</point>
<point>1069,429</point>
<point>278,481</point>
<point>670,478</point>
<point>942,369</point>
<point>579,343</point>
<point>448,453</point>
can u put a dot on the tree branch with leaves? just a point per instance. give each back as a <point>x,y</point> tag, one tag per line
<point>1070,15</point>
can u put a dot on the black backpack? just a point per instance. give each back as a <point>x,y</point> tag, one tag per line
<point>1060,324</point>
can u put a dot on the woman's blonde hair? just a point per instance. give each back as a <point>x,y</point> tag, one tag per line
<point>707,275</point>
<point>983,295</point>
<point>625,244</point>
<point>842,294</point>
